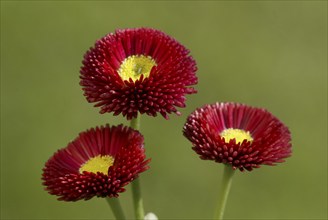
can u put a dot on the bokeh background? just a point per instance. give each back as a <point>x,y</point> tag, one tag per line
<point>270,54</point>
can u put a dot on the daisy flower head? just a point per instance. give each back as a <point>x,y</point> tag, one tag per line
<point>140,70</point>
<point>238,135</point>
<point>99,162</point>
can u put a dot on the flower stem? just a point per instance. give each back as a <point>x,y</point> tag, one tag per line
<point>116,207</point>
<point>224,191</point>
<point>136,189</point>
<point>135,123</point>
<point>137,200</point>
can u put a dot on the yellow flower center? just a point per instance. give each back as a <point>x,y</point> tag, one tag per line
<point>99,163</point>
<point>238,134</point>
<point>134,66</point>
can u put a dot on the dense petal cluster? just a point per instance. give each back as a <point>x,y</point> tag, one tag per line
<point>62,174</point>
<point>138,70</point>
<point>268,141</point>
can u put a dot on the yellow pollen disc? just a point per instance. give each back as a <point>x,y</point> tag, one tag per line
<point>98,164</point>
<point>238,134</point>
<point>134,66</point>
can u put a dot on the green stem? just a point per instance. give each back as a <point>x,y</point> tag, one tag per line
<point>135,123</point>
<point>137,200</point>
<point>224,191</point>
<point>136,189</point>
<point>116,207</point>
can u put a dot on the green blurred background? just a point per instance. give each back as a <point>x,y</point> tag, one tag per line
<point>270,54</point>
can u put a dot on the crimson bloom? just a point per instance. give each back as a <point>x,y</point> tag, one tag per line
<point>138,70</point>
<point>239,135</point>
<point>99,162</point>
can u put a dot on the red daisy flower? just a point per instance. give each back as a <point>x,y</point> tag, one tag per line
<point>239,135</point>
<point>138,70</point>
<point>99,162</point>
